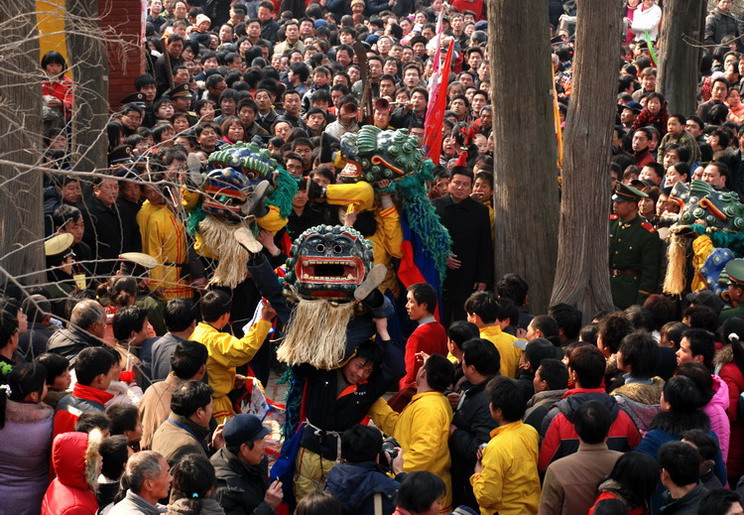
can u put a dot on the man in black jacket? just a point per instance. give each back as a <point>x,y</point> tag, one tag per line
<point>470,266</point>
<point>103,225</point>
<point>472,422</point>
<point>242,469</point>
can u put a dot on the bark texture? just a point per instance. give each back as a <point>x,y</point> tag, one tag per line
<point>21,213</point>
<point>91,106</point>
<point>582,274</point>
<point>679,56</point>
<point>526,187</point>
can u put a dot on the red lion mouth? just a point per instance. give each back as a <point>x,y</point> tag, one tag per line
<point>321,270</point>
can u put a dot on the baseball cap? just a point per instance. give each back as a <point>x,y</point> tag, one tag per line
<point>243,428</point>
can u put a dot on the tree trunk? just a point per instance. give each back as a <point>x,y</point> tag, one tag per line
<point>582,274</point>
<point>526,187</point>
<point>679,59</point>
<point>91,107</point>
<point>21,213</point>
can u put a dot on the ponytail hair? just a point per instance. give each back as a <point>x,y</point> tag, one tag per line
<point>23,380</point>
<point>120,292</point>
<point>193,478</point>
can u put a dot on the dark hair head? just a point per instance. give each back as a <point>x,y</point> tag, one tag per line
<point>638,475</point>
<point>483,355</point>
<point>23,380</point>
<point>702,378</point>
<point>361,443</point>
<point>681,461</point>
<point>682,395</point>
<point>114,455</point>
<point>505,394</point>
<point>701,344</point>
<point>319,502</point>
<point>87,422</point>
<point>611,506</point>
<point>706,444</point>
<point>439,372</point>
<point>484,304</point>
<point>188,358</point>
<point>424,293</point>
<point>568,319</point>
<point>8,324</point>
<point>179,315</point>
<point>588,333</point>
<point>124,417</point>
<point>65,213</point>
<point>639,317</point>
<point>700,316</point>
<point>54,364</point>
<point>419,491</point>
<point>547,325</point>
<point>588,363</point>
<point>673,332</point>
<point>639,352</point>
<point>53,57</point>
<point>193,478</point>
<point>612,329</point>
<point>214,304</point>
<point>189,396</point>
<point>718,501</point>
<point>128,320</point>
<point>592,421</point>
<point>91,363</point>
<point>555,373</point>
<point>461,331</point>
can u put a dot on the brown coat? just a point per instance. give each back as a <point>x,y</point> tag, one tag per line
<point>571,483</point>
<point>155,407</point>
<point>643,393</point>
<point>177,437</point>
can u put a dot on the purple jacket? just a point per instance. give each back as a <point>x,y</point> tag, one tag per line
<point>25,447</point>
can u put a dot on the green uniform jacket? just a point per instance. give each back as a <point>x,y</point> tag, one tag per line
<point>635,246</point>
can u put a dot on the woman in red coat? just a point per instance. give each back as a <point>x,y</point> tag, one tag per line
<point>730,359</point>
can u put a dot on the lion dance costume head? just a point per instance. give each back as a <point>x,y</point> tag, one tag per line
<point>327,265</point>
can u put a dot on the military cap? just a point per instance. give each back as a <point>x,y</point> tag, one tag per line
<point>134,98</point>
<point>58,245</point>
<point>180,91</point>
<point>137,263</point>
<point>735,271</point>
<point>121,155</point>
<point>625,193</point>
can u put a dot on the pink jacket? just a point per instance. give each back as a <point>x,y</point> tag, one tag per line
<point>716,411</point>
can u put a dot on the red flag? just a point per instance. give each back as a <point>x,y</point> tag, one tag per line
<point>435,112</point>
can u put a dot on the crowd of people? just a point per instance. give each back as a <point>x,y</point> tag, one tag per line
<point>124,378</point>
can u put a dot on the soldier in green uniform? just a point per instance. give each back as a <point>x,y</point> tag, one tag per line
<point>181,96</point>
<point>635,250</point>
<point>735,271</point>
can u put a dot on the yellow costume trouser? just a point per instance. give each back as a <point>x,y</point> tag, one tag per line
<point>223,409</point>
<point>311,472</point>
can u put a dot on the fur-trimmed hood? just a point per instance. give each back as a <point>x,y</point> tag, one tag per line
<point>75,458</point>
<point>724,356</point>
<point>27,413</point>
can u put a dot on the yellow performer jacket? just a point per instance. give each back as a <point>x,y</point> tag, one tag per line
<point>422,429</point>
<point>225,353</point>
<point>509,483</point>
<point>387,239</point>
<point>164,238</point>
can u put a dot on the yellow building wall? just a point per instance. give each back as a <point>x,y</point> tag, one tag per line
<point>50,15</point>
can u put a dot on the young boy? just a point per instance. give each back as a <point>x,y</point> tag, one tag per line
<point>484,311</point>
<point>226,351</point>
<point>506,479</point>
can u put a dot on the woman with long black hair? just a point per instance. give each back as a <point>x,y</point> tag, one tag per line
<point>730,366</point>
<point>25,439</point>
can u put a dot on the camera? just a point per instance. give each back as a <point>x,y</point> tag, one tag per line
<point>389,452</point>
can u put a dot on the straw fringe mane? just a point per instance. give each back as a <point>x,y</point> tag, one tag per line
<point>316,334</point>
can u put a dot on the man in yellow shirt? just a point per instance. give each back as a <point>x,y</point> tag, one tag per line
<point>225,350</point>
<point>422,428</point>
<point>484,311</point>
<point>506,479</point>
